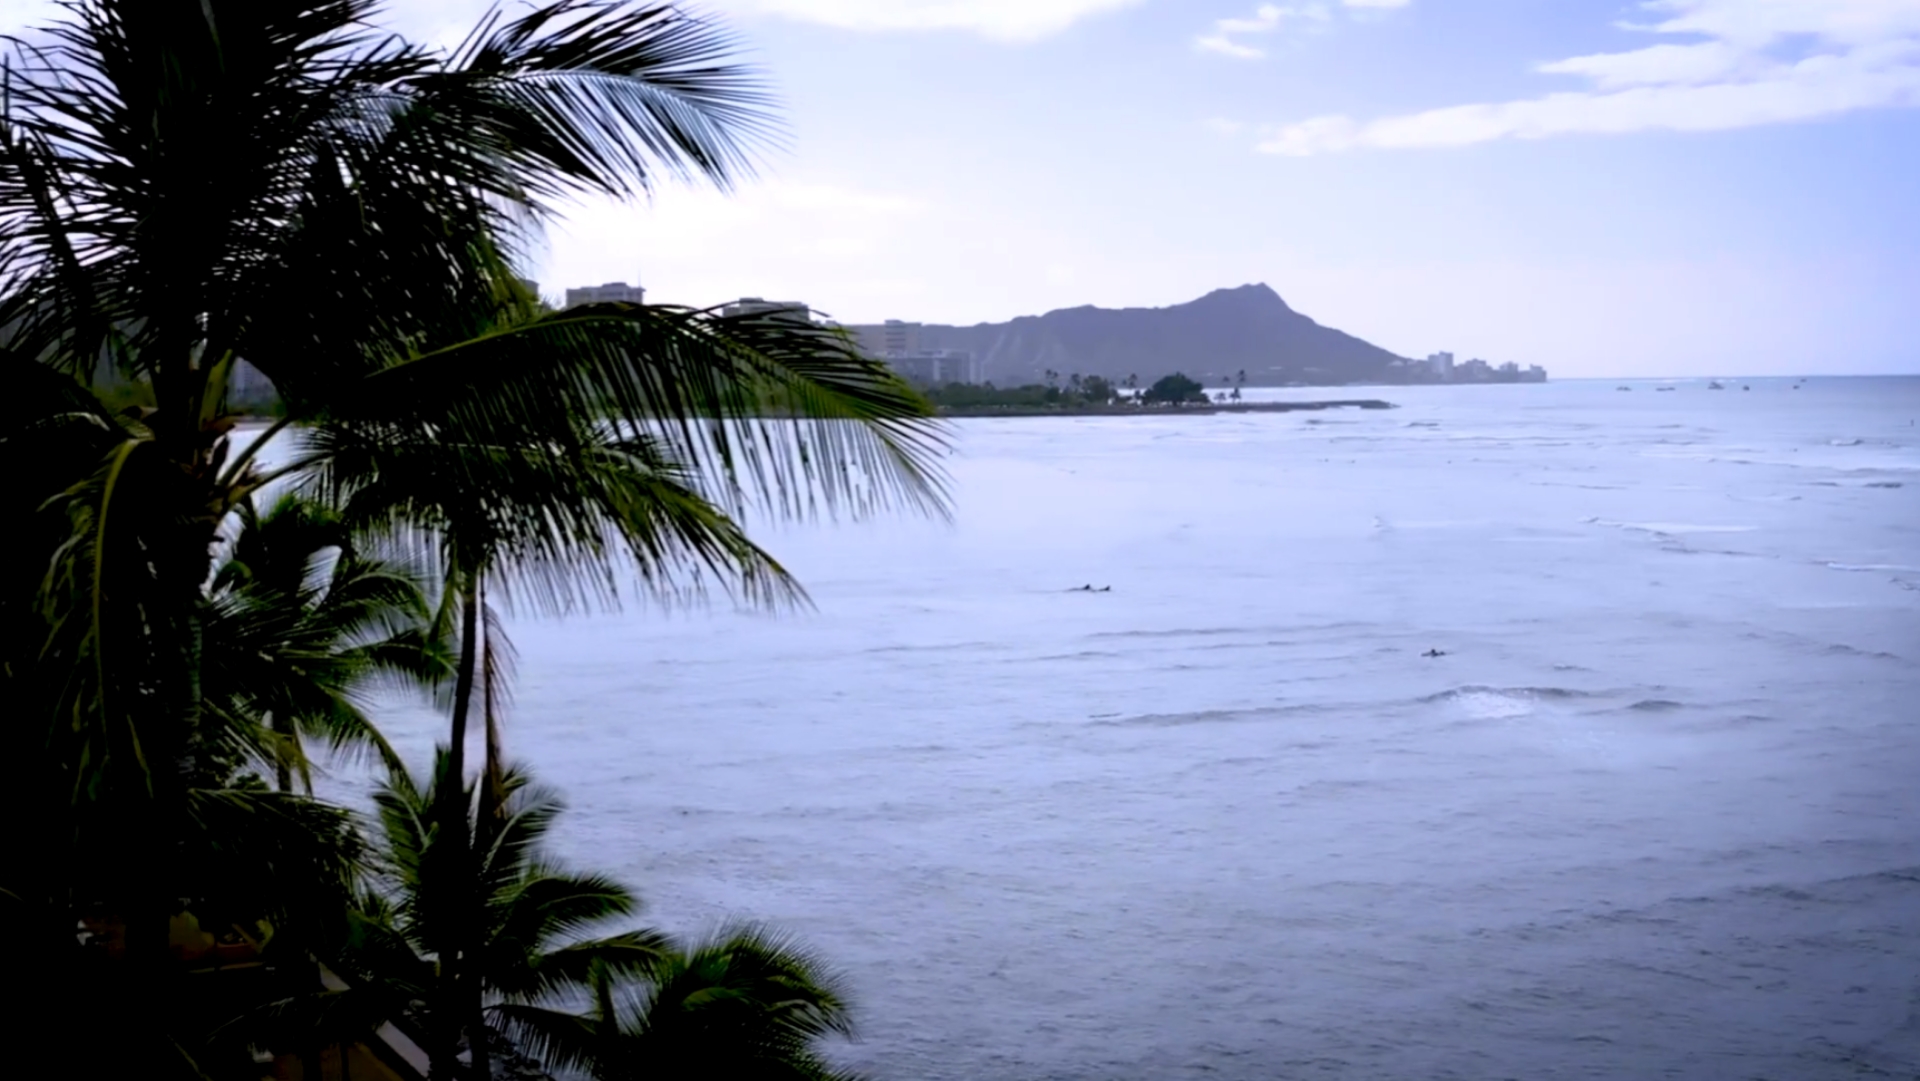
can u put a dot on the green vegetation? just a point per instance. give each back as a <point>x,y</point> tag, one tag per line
<point>1175,389</point>
<point>188,614</point>
<point>1080,392</point>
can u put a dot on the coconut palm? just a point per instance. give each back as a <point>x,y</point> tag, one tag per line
<point>746,1004</point>
<point>523,926</point>
<point>300,624</point>
<point>185,183</point>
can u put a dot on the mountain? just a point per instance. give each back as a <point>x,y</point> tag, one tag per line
<point>1227,331</point>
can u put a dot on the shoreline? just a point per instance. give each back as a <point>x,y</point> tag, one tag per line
<point>1194,409</point>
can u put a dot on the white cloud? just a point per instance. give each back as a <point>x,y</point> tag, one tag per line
<point>1226,36</point>
<point>1266,19</point>
<point>811,240</point>
<point>1763,62</point>
<point>1220,125</point>
<point>1003,20</point>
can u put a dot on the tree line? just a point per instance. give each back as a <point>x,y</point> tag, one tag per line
<point>1076,392</point>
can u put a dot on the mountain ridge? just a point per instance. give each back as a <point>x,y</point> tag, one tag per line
<point>1248,328</point>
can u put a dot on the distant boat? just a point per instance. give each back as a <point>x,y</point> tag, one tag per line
<point>1715,385</point>
<point>1623,388</point>
<point>1666,388</point>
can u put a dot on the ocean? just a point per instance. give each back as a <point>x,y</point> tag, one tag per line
<point>1518,732</point>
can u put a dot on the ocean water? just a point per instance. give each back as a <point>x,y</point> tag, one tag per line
<point>1653,812</point>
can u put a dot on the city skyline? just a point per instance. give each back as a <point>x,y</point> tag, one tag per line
<point>900,340</point>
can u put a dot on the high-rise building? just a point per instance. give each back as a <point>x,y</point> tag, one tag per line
<point>910,350</point>
<point>610,293</point>
<point>1440,365</point>
<point>893,338</point>
<point>937,367</point>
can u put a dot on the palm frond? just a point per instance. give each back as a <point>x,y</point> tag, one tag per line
<point>603,95</point>
<point>773,411</point>
<point>561,1039</point>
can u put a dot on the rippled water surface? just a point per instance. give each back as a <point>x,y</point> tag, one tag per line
<point>1654,813</point>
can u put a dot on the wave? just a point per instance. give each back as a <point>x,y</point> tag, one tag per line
<point>1204,632</point>
<point>1209,716</point>
<point>936,647</point>
<point>1841,649</point>
<point>1672,529</point>
<point>1548,693</point>
<point>1505,703</point>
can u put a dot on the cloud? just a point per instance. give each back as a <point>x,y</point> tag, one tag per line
<point>813,240</point>
<point>1001,20</point>
<point>1762,62</point>
<point>1266,19</point>
<point>1225,37</point>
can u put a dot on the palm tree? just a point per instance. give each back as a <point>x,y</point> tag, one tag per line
<point>539,964</point>
<point>185,183</point>
<point>520,924</point>
<point>356,243</point>
<point>299,624</point>
<point>745,1004</point>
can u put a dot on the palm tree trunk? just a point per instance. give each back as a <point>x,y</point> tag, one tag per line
<point>282,769</point>
<point>496,797</point>
<point>454,948</point>
<point>463,688</point>
<point>477,1035</point>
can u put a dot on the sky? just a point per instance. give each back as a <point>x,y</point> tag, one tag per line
<point>1603,187</point>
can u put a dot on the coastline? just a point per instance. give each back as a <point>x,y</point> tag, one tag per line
<point>1193,409</point>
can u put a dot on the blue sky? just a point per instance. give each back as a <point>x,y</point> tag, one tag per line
<point>1605,187</point>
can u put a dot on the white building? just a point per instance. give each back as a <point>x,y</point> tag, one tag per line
<point>937,367</point>
<point>893,338</point>
<point>610,293</point>
<point>1440,365</point>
